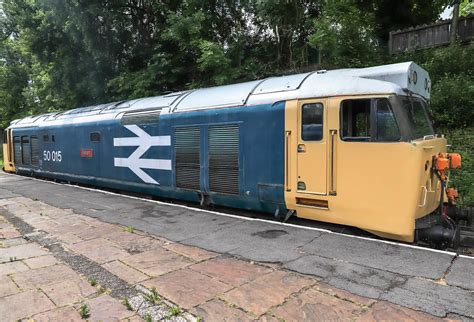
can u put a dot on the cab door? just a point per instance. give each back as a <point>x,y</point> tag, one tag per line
<point>311,148</point>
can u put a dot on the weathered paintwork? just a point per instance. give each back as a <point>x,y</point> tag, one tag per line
<point>260,158</point>
<point>381,187</point>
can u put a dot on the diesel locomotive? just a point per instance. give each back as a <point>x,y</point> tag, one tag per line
<point>353,146</point>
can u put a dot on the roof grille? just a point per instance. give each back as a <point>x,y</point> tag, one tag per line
<point>141,117</point>
<point>224,159</point>
<point>187,156</point>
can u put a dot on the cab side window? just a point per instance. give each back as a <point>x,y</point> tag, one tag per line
<point>368,120</point>
<point>356,123</point>
<point>387,128</point>
<point>312,122</point>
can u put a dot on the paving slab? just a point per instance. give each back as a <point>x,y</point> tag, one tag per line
<point>217,311</point>
<point>20,252</point>
<point>258,241</point>
<point>461,273</point>
<point>66,313</point>
<point>389,257</point>
<point>7,287</point>
<point>385,311</point>
<point>24,304</point>
<point>125,272</point>
<point>68,291</point>
<point>195,253</point>
<point>99,250</point>
<point>12,267</point>
<point>106,308</point>
<point>41,261</point>
<point>40,277</point>
<point>187,288</point>
<point>157,262</point>
<point>357,279</point>
<point>431,297</point>
<point>312,304</point>
<point>263,293</point>
<point>231,271</point>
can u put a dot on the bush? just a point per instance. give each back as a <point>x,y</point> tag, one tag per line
<point>462,141</point>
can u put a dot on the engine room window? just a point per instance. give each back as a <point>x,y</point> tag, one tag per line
<point>312,122</point>
<point>5,137</point>
<point>387,128</point>
<point>356,124</point>
<point>46,138</point>
<point>95,137</point>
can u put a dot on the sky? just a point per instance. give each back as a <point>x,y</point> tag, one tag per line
<point>446,13</point>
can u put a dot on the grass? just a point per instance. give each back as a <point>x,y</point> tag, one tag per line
<point>92,281</point>
<point>147,317</point>
<point>84,311</point>
<point>127,304</point>
<point>152,296</point>
<point>129,229</point>
<point>174,311</point>
<point>103,290</point>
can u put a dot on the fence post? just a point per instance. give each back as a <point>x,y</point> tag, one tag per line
<point>390,45</point>
<point>454,22</point>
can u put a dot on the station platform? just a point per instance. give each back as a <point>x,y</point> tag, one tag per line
<point>71,249</point>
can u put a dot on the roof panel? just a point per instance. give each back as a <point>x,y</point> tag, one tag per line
<point>379,79</point>
<point>280,84</point>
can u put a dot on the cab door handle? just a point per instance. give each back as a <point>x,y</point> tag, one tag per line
<point>301,148</point>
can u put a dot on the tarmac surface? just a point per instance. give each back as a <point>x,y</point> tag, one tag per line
<point>440,284</point>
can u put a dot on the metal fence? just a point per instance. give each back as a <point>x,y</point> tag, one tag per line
<point>428,36</point>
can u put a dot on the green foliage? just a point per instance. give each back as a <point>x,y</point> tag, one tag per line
<point>462,141</point>
<point>127,304</point>
<point>466,8</point>
<point>153,296</point>
<point>345,35</point>
<point>148,317</point>
<point>84,311</point>
<point>92,281</point>
<point>129,229</point>
<point>174,311</point>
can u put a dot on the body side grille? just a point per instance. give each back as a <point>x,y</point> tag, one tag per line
<point>187,156</point>
<point>224,159</point>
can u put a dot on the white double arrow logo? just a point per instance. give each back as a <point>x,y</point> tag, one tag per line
<point>143,141</point>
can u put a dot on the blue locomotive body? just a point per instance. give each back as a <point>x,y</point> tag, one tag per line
<point>88,152</point>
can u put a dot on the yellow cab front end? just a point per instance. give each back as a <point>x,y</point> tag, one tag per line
<point>372,164</point>
<point>7,149</point>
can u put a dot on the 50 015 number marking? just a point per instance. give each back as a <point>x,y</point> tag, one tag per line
<point>54,156</point>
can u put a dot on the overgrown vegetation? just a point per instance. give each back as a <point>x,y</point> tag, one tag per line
<point>61,54</point>
<point>153,296</point>
<point>92,281</point>
<point>84,311</point>
<point>127,304</point>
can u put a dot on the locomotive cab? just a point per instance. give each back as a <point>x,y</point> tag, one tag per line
<point>7,149</point>
<point>371,164</point>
